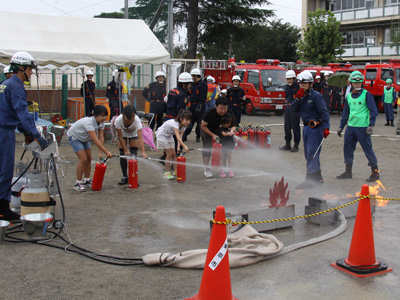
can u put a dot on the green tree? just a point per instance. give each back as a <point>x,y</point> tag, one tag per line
<point>322,39</point>
<point>274,40</point>
<point>111,15</point>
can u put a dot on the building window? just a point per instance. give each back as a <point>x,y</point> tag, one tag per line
<point>369,38</point>
<point>370,4</point>
<point>388,2</point>
<point>358,39</point>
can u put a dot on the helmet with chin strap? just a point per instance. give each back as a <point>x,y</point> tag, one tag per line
<point>22,59</point>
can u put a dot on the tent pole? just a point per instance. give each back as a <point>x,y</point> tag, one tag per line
<point>38,89</point>
<point>83,91</point>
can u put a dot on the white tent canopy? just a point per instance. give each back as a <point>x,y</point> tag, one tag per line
<point>79,41</point>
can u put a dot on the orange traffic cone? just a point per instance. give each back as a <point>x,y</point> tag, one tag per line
<point>216,280</point>
<point>361,261</point>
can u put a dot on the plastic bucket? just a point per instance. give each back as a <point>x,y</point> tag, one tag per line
<point>107,132</point>
<point>35,225</point>
<point>3,228</point>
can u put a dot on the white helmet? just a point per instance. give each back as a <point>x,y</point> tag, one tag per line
<point>236,77</point>
<point>90,72</point>
<point>23,58</point>
<point>317,77</point>
<point>6,70</point>
<point>213,80</point>
<point>305,76</point>
<point>185,77</point>
<point>160,73</point>
<point>195,71</point>
<point>210,78</point>
<point>224,91</point>
<point>290,74</point>
<point>114,73</point>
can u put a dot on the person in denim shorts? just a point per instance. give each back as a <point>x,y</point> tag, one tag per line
<point>79,136</point>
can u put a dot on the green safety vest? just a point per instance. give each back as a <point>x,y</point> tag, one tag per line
<point>359,112</point>
<point>388,95</point>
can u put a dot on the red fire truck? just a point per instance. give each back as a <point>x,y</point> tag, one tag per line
<point>263,82</point>
<point>331,68</point>
<point>376,76</point>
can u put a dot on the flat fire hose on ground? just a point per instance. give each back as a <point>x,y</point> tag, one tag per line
<point>246,247</point>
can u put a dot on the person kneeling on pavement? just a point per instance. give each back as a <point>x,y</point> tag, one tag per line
<point>210,127</point>
<point>359,114</point>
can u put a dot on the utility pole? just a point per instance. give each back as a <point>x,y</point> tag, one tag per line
<point>126,9</point>
<point>170,28</point>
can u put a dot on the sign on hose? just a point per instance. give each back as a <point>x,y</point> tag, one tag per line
<point>219,256</point>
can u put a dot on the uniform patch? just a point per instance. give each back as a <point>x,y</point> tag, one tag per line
<point>2,88</point>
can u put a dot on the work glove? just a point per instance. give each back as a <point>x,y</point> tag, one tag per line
<point>300,93</point>
<point>370,130</point>
<point>28,139</point>
<point>42,142</point>
<point>325,133</point>
<point>198,107</point>
<point>339,132</point>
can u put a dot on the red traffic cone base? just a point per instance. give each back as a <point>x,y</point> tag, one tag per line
<point>361,261</point>
<point>216,280</point>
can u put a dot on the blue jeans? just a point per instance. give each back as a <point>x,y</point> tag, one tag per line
<point>78,145</point>
<point>312,138</point>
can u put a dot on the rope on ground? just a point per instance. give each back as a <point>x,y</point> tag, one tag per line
<point>229,221</point>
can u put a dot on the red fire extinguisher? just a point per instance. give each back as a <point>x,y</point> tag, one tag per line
<point>98,176</point>
<point>132,174</point>
<point>181,168</point>
<point>216,154</point>
<point>268,132</point>
<point>237,140</point>
<point>244,136</point>
<point>252,138</point>
<point>262,137</point>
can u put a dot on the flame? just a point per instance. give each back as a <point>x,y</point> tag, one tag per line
<point>373,191</point>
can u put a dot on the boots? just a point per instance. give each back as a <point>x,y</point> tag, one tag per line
<point>317,177</point>
<point>295,148</point>
<point>387,123</point>
<point>391,123</point>
<point>306,184</point>
<point>286,147</point>
<point>347,174</point>
<point>6,213</point>
<point>374,175</point>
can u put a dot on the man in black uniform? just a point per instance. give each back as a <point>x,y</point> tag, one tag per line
<point>90,87</point>
<point>197,101</point>
<point>155,93</point>
<point>317,84</point>
<point>326,90</point>
<point>114,89</point>
<point>337,93</point>
<point>292,118</point>
<point>236,97</point>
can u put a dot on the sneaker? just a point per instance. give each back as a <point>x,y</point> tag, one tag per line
<point>208,173</point>
<point>230,174</point>
<point>173,174</point>
<point>222,174</point>
<point>6,213</point>
<point>167,175</point>
<point>124,180</point>
<point>294,149</point>
<point>79,187</point>
<point>197,139</point>
<point>285,148</point>
<point>88,183</point>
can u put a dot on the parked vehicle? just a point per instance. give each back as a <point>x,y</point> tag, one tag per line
<point>263,82</point>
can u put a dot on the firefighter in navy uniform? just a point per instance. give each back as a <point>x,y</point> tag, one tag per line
<point>359,114</point>
<point>197,103</point>
<point>7,73</point>
<point>90,87</point>
<point>236,97</point>
<point>155,93</point>
<point>292,117</point>
<point>14,114</point>
<point>112,93</point>
<point>317,84</point>
<point>315,117</point>
<point>326,91</point>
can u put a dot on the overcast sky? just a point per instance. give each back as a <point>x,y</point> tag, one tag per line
<point>288,10</point>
